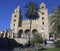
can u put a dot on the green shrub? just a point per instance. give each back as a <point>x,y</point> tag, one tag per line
<point>57,43</point>
<point>37,39</point>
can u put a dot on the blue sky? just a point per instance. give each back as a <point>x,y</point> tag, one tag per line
<point>7,7</point>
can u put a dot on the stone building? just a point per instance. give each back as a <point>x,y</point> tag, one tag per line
<point>4,34</point>
<point>1,33</point>
<point>19,28</point>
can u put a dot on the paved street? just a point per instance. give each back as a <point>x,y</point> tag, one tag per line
<point>4,46</point>
<point>22,49</point>
<point>25,49</point>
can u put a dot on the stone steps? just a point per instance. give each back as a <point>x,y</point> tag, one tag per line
<point>21,40</point>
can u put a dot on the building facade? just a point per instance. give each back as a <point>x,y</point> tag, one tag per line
<point>19,28</point>
<point>1,33</point>
<point>4,34</point>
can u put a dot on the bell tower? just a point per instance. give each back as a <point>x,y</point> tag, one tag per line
<point>16,22</point>
<point>43,21</point>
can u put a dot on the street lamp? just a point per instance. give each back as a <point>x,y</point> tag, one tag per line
<point>29,38</point>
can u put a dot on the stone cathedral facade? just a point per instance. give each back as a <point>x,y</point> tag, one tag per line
<point>19,28</point>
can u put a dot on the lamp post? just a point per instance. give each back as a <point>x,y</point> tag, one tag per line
<point>29,39</point>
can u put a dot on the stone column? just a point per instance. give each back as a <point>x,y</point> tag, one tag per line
<point>11,33</point>
<point>4,34</point>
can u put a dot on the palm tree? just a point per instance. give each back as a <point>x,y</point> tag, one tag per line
<point>55,21</point>
<point>31,13</point>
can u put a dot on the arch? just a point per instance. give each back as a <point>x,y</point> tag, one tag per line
<point>20,33</point>
<point>27,31</point>
<point>34,31</point>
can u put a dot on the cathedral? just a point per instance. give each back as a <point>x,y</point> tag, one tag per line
<point>20,28</point>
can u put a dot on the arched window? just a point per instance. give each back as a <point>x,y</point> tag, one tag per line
<point>27,31</point>
<point>34,31</point>
<point>20,33</point>
<point>42,13</point>
<point>15,16</point>
<point>42,7</point>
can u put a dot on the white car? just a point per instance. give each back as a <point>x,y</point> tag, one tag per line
<point>49,42</point>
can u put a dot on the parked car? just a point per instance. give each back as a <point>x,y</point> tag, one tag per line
<point>49,42</point>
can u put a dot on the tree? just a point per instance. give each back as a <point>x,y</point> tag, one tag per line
<point>37,38</point>
<point>31,13</point>
<point>55,21</point>
<point>57,43</point>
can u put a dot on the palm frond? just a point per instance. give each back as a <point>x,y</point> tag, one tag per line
<point>32,10</point>
<point>55,20</point>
